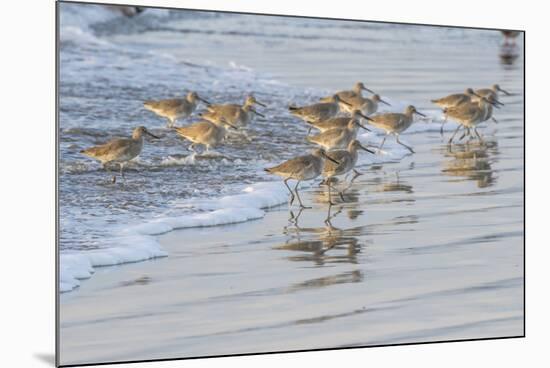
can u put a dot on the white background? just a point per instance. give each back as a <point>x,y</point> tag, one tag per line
<point>27,182</point>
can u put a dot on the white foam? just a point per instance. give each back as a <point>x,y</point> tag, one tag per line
<point>76,266</point>
<point>138,243</point>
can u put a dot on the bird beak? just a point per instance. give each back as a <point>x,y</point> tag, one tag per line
<point>231,125</point>
<point>364,116</point>
<point>419,113</point>
<point>257,113</point>
<point>368,90</point>
<point>344,102</point>
<point>384,102</point>
<point>228,124</point>
<point>152,135</point>
<point>366,149</point>
<point>505,92</point>
<point>330,158</point>
<point>203,100</point>
<point>259,103</point>
<point>495,104</point>
<point>364,127</point>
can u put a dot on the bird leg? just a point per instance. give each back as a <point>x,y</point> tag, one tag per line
<point>330,203</point>
<point>383,140</point>
<point>495,120</point>
<point>106,168</point>
<point>478,136</point>
<point>403,144</point>
<point>456,131</point>
<point>290,190</point>
<point>298,196</point>
<point>444,121</point>
<point>466,131</point>
<point>122,171</point>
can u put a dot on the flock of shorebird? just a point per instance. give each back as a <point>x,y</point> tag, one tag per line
<point>337,117</point>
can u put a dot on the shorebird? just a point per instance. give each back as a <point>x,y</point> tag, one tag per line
<point>348,95</point>
<point>395,123</point>
<point>470,115</point>
<point>492,92</point>
<point>338,138</point>
<point>301,168</point>
<point>454,100</point>
<point>175,108</point>
<point>346,162</point>
<point>319,111</point>
<point>487,109</point>
<point>336,123</point>
<point>120,150</point>
<point>237,115</point>
<point>204,132</point>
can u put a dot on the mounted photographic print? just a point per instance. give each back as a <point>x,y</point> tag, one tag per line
<point>236,183</point>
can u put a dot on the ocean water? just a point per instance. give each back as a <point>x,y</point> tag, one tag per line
<point>110,64</point>
<point>427,246</point>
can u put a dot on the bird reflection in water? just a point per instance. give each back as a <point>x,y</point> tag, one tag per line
<point>393,183</point>
<point>471,162</point>
<point>509,50</point>
<point>320,245</point>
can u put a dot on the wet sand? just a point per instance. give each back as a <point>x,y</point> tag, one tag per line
<point>400,263</point>
<point>426,249</point>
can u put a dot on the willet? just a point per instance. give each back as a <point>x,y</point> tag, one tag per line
<point>470,115</point>
<point>319,111</point>
<point>336,123</point>
<point>301,168</point>
<point>237,115</point>
<point>487,109</point>
<point>338,138</point>
<point>395,123</point>
<point>492,92</point>
<point>454,100</point>
<point>349,95</point>
<point>346,162</point>
<point>175,108</point>
<point>120,150</point>
<point>204,132</point>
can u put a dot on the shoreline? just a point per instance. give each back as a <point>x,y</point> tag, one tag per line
<point>291,284</point>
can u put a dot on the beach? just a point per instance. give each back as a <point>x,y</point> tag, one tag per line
<point>203,256</point>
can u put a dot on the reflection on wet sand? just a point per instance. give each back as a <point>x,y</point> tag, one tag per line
<point>396,185</point>
<point>471,162</point>
<point>316,242</point>
<point>509,53</point>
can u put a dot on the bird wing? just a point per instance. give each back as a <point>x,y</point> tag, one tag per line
<point>165,105</point>
<point>330,134</point>
<point>230,112</point>
<point>339,123</point>
<point>452,100</point>
<point>194,130</point>
<point>463,112</point>
<point>386,121</point>
<point>293,165</point>
<point>114,148</point>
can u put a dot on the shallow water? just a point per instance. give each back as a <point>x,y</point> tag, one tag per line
<point>427,247</point>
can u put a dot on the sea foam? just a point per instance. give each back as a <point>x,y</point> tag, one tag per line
<point>138,243</point>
